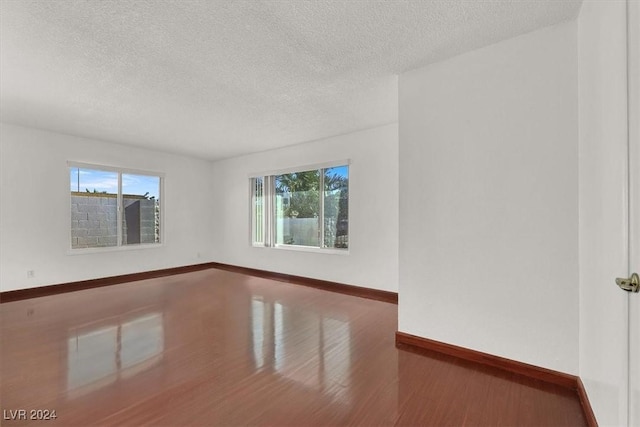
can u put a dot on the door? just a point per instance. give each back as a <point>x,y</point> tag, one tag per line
<point>633,20</point>
<point>609,208</point>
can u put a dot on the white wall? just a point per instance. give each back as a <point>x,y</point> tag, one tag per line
<point>373,210</point>
<point>603,209</point>
<point>34,212</point>
<point>489,200</point>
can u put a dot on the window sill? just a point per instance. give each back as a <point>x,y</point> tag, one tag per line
<point>84,251</point>
<point>314,249</point>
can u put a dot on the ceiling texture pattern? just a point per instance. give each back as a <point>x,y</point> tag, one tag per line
<point>217,79</point>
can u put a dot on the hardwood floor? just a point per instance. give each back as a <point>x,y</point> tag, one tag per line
<point>215,347</point>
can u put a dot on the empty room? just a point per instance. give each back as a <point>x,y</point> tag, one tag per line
<point>319,213</point>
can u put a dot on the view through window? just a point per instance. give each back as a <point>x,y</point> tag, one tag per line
<point>302,208</point>
<point>113,208</point>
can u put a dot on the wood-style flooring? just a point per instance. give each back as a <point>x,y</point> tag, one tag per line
<point>213,348</point>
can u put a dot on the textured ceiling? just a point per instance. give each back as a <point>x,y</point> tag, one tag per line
<point>222,78</point>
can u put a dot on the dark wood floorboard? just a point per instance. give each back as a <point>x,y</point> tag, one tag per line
<point>220,348</point>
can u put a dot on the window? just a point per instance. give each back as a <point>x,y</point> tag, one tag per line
<point>111,207</point>
<point>302,208</point>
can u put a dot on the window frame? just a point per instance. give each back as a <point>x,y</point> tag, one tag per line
<point>119,210</point>
<point>269,207</point>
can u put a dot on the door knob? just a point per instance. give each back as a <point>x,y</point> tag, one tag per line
<point>632,284</point>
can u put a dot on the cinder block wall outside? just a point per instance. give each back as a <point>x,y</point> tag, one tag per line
<point>94,219</point>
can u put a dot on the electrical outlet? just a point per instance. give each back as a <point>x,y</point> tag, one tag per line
<point>198,255</point>
<point>31,274</point>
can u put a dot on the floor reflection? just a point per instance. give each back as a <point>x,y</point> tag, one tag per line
<point>304,346</point>
<point>219,348</point>
<point>100,355</point>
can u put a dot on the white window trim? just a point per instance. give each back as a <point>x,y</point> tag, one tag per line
<point>72,164</point>
<point>119,247</point>
<point>300,248</point>
<point>303,168</point>
<point>142,246</point>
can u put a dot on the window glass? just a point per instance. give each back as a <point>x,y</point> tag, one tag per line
<point>297,208</point>
<point>94,208</point>
<point>140,209</point>
<point>336,207</point>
